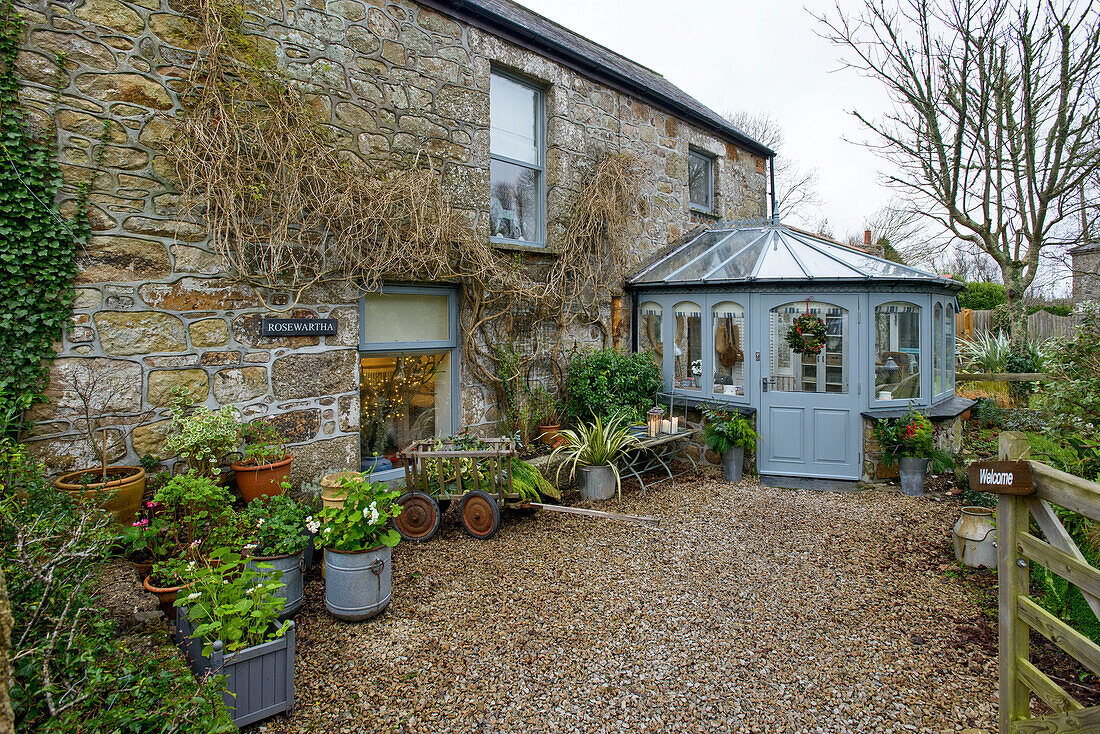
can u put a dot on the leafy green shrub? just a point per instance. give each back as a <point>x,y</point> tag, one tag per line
<point>982,296</point>
<point>70,674</point>
<point>727,429</point>
<point>272,526</point>
<point>1021,362</point>
<point>605,382</point>
<point>361,523</point>
<point>1074,364</point>
<point>911,436</point>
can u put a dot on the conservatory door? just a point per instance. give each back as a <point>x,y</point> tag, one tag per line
<point>809,408</point>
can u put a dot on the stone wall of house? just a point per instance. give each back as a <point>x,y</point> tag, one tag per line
<point>1086,274</point>
<point>153,305</point>
<point>948,438</point>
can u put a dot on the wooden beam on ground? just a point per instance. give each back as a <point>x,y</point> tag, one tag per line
<point>596,513</point>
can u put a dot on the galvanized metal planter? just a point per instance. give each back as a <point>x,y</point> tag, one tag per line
<point>912,473</point>
<point>293,586</point>
<point>259,680</point>
<point>596,482</point>
<point>733,464</point>
<point>357,585</point>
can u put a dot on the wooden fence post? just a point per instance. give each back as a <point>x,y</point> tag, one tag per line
<point>1012,577</point>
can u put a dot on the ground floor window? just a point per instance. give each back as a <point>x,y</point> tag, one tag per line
<point>897,351</point>
<point>407,381</point>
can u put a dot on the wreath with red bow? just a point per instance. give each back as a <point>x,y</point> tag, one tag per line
<point>807,335</point>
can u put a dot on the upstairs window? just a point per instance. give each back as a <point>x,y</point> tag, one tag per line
<point>516,161</point>
<point>700,181</point>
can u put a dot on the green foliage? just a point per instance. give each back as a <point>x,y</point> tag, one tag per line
<point>529,482</point>
<point>231,602</point>
<point>1057,595</point>
<point>263,443</point>
<point>1074,393</point>
<point>596,444</point>
<point>726,429</point>
<point>1021,362</point>
<point>991,352</point>
<point>911,436</point>
<point>201,436</point>
<point>69,672</point>
<point>361,523</point>
<point>38,256</point>
<point>272,526</point>
<point>982,296</point>
<point>197,514</point>
<point>146,540</point>
<point>605,382</point>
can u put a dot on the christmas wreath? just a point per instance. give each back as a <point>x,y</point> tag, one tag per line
<point>807,334</point>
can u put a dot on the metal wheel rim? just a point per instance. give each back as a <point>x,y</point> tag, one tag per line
<point>418,518</point>
<point>477,515</point>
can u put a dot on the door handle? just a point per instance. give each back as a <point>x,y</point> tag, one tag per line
<point>764,384</point>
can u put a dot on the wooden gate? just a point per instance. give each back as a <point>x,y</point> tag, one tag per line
<point>1018,613</point>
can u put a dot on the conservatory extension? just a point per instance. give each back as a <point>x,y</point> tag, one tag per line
<point>811,336</point>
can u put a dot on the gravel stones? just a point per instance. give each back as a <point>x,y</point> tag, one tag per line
<point>748,610</point>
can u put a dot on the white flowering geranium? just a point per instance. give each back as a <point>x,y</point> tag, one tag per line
<point>362,522</point>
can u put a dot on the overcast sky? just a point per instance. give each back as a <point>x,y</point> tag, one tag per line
<point>760,57</point>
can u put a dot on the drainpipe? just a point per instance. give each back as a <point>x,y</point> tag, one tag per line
<point>775,202</point>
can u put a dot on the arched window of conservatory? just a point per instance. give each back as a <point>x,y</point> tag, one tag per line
<point>897,351</point>
<point>688,346</point>
<point>949,348</point>
<point>729,345</point>
<point>649,331</point>
<point>826,371</point>
<point>937,349</point>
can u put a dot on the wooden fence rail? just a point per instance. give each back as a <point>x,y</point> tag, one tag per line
<point>1019,614</point>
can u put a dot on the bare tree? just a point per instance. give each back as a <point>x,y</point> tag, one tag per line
<point>993,129</point>
<point>901,234</point>
<point>795,187</point>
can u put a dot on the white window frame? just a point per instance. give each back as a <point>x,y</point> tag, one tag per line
<point>540,127</point>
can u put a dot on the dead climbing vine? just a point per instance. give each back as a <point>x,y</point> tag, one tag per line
<point>290,205</point>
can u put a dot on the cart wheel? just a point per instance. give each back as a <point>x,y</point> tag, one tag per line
<point>419,518</point>
<point>480,514</point>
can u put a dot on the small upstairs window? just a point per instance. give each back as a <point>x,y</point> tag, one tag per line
<point>516,161</point>
<point>700,181</point>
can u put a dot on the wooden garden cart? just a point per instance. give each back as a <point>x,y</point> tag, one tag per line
<point>475,472</point>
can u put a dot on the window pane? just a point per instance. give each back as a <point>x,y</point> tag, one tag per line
<point>699,180</point>
<point>688,346</point>
<point>827,371</point>
<point>949,348</point>
<point>729,345</point>
<point>897,351</point>
<point>406,317</point>
<point>649,332</point>
<point>937,349</point>
<point>513,202</point>
<point>513,114</point>
<point>403,397</point>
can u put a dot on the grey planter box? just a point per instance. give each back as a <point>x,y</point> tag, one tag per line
<point>259,680</point>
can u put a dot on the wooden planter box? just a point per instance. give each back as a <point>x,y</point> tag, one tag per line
<point>259,680</point>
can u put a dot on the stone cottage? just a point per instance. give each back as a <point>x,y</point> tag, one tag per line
<point>1085,264</point>
<point>510,102</point>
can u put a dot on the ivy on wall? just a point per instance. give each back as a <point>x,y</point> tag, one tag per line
<point>37,244</point>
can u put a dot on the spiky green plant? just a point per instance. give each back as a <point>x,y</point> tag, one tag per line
<point>596,444</point>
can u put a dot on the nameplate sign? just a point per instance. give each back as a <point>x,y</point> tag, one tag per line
<point>1001,477</point>
<point>298,327</point>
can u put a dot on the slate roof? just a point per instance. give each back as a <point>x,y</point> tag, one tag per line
<point>544,36</point>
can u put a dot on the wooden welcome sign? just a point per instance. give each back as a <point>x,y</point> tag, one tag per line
<point>1001,477</point>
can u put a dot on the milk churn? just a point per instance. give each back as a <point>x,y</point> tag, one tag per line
<point>976,538</point>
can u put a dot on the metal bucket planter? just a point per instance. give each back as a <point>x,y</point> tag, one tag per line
<point>293,587</point>
<point>357,585</point>
<point>259,680</point>
<point>733,464</point>
<point>596,482</point>
<point>912,473</point>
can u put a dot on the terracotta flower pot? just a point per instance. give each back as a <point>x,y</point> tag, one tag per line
<point>142,569</point>
<point>166,595</point>
<point>549,434</point>
<point>121,495</point>
<point>254,481</point>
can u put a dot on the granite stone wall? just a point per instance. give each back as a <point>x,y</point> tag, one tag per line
<point>1086,273</point>
<point>392,78</point>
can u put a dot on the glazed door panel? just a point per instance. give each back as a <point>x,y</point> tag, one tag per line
<point>809,403</point>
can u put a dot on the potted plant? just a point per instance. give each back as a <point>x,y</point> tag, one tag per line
<point>266,464</point>
<point>228,625</point>
<point>729,433</point>
<point>592,450</point>
<point>547,413</point>
<point>145,540</point>
<point>910,441</point>
<point>197,514</point>
<point>272,530</point>
<point>358,545</point>
<point>101,404</point>
<point>639,427</point>
<point>202,437</point>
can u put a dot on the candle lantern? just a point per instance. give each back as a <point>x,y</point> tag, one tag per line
<point>653,421</point>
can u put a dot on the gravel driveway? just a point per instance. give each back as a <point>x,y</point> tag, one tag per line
<point>748,610</point>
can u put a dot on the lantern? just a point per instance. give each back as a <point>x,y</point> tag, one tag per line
<point>653,421</point>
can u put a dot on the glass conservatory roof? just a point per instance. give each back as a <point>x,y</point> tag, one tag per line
<point>772,253</point>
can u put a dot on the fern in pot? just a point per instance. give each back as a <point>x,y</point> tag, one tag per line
<point>729,433</point>
<point>592,452</point>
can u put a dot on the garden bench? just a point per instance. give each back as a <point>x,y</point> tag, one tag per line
<point>658,453</point>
